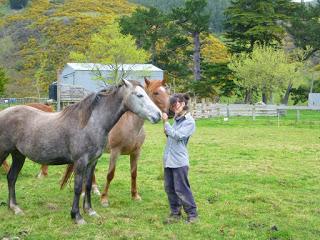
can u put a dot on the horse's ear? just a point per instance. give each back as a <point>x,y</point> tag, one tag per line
<point>127,83</point>
<point>163,82</point>
<point>147,82</point>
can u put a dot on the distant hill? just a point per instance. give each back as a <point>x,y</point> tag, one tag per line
<point>36,41</point>
<point>215,8</point>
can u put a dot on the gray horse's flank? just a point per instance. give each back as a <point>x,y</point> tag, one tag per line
<point>76,135</point>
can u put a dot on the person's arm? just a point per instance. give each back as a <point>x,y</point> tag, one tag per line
<point>185,131</point>
<point>164,120</point>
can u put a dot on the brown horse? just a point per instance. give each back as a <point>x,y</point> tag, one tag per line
<point>44,168</point>
<point>127,137</point>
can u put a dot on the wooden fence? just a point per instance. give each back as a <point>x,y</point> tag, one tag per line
<point>208,110</point>
<point>205,109</point>
<point>18,101</point>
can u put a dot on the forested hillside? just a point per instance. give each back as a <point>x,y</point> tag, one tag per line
<point>37,40</point>
<point>215,7</point>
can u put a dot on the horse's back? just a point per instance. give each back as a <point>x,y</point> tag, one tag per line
<point>10,122</point>
<point>19,121</point>
<point>40,106</point>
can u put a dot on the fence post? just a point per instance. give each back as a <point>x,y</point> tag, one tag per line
<point>298,115</point>
<point>228,111</point>
<point>278,115</point>
<point>254,112</point>
<point>203,106</point>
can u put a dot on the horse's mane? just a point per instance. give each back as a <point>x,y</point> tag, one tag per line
<point>83,109</point>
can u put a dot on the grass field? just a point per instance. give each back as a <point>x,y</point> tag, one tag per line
<point>251,180</point>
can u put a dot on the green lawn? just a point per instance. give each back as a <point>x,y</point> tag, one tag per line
<point>251,180</point>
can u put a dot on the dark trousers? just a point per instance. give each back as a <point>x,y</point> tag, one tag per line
<point>177,187</point>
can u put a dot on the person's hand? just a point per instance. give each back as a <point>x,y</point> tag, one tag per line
<point>164,117</point>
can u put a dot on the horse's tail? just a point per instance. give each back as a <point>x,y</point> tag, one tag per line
<point>67,175</point>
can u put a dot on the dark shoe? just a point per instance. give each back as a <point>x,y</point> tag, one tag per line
<point>192,220</point>
<point>173,218</point>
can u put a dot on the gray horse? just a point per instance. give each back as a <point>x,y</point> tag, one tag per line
<point>76,135</point>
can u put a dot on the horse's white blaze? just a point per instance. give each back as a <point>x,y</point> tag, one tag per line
<point>144,106</point>
<point>162,89</point>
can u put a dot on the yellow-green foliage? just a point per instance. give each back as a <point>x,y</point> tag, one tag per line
<point>213,50</point>
<point>109,46</point>
<point>54,30</point>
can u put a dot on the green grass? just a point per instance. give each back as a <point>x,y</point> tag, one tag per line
<point>251,180</point>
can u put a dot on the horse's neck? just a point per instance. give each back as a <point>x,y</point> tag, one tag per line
<point>110,111</point>
<point>134,120</point>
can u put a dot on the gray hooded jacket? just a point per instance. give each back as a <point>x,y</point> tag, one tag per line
<point>176,153</point>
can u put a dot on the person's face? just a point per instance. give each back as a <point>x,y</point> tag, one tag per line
<point>177,108</point>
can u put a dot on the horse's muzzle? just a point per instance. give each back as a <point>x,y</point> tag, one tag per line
<point>157,118</point>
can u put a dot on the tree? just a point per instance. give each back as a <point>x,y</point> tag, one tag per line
<point>216,76</point>
<point>298,55</point>
<point>111,47</point>
<point>215,7</point>
<point>3,80</point>
<point>147,26</point>
<point>194,20</point>
<point>255,21</point>
<point>305,27</point>
<point>266,69</point>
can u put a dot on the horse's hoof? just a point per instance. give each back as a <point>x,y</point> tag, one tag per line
<point>105,203</point>
<point>41,175</point>
<point>17,211</point>
<point>93,213</point>
<point>80,221</point>
<point>96,191</point>
<point>136,198</point>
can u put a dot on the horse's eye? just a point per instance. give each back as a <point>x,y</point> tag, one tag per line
<point>155,93</point>
<point>139,95</point>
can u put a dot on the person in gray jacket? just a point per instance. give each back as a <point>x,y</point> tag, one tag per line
<point>176,160</point>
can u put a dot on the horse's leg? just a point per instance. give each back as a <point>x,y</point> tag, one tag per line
<point>112,167</point>
<point>17,163</point>
<point>134,168</point>
<point>43,171</point>
<point>95,188</point>
<point>79,171</point>
<point>3,162</point>
<point>87,197</point>
<point>6,166</point>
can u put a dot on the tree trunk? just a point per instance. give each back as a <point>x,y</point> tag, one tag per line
<point>285,98</point>
<point>248,96</point>
<point>264,97</point>
<point>196,56</point>
<point>312,83</point>
<point>154,54</point>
